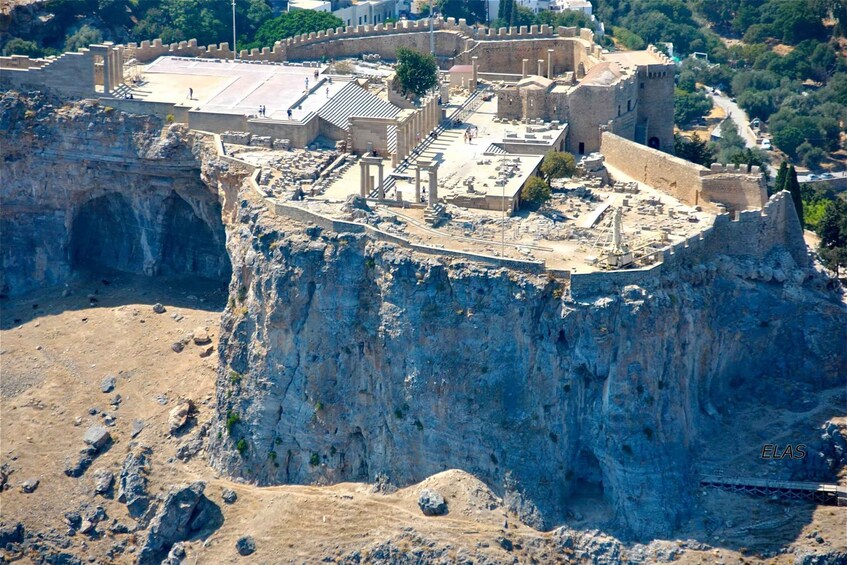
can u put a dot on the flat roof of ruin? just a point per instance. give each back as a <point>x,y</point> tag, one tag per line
<point>633,58</point>
<point>228,87</point>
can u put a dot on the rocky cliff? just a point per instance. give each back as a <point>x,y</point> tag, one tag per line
<point>343,359</point>
<point>86,186</point>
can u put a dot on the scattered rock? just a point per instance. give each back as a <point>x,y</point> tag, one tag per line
<point>208,351</point>
<point>108,383</point>
<point>179,415</point>
<point>505,543</point>
<point>229,496</point>
<point>73,519</point>
<point>118,528</point>
<point>245,545</point>
<point>5,472</point>
<point>177,346</point>
<point>201,336</point>
<point>432,503</point>
<point>132,487</point>
<point>103,481</point>
<point>87,527</point>
<point>176,520</point>
<point>85,459</point>
<point>189,448</point>
<point>137,426</point>
<point>97,437</point>
<point>29,485</point>
<point>159,308</point>
<point>11,533</point>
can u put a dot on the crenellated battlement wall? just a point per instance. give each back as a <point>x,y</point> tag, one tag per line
<point>723,187</point>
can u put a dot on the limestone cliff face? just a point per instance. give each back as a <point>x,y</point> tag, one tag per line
<point>86,186</point>
<point>343,358</point>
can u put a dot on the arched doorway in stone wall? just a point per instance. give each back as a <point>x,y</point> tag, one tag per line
<point>654,143</point>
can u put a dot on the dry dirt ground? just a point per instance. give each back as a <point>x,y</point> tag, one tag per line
<point>54,352</point>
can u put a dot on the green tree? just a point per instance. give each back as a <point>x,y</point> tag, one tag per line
<point>18,46</point>
<point>781,177</point>
<point>85,36</point>
<point>688,106</point>
<point>558,164</point>
<point>695,150</point>
<point>472,10</point>
<point>833,233</point>
<point>416,72</point>
<point>294,23</point>
<point>793,186</point>
<point>536,192</point>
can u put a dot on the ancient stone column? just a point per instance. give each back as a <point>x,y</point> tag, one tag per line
<point>524,68</point>
<point>474,61</point>
<point>550,63</point>
<point>381,183</point>
<point>363,182</point>
<point>417,184</point>
<point>540,66</point>
<point>433,184</point>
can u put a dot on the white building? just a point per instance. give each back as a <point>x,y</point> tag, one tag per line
<point>583,6</point>
<point>368,12</point>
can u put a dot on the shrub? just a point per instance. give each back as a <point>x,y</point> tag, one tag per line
<point>315,459</point>
<point>232,418</point>
<point>558,164</point>
<point>241,446</point>
<point>170,118</point>
<point>536,192</point>
<point>234,377</point>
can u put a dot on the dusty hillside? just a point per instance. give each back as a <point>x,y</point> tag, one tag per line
<point>56,351</point>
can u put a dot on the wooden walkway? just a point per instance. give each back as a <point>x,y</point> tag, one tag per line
<point>816,492</point>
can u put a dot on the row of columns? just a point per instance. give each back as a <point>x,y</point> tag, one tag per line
<point>525,66</point>
<point>366,181</point>
<point>113,64</point>
<point>416,126</point>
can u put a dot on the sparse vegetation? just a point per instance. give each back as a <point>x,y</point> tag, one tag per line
<point>241,446</point>
<point>314,459</point>
<point>234,377</point>
<point>558,164</point>
<point>232,418</point>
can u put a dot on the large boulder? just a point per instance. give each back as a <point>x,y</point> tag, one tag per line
<point>132,485</point>
<point>185,512</point>
<point>432,503</point>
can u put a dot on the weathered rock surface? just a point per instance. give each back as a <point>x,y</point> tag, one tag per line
<point>69,187</point>
<point>103,481</point>
<point>132,485</point>
<point>179,415</point>
<point>97,437</point>
<point>432,503</point>
<point>432,365</point>
<point>245,545</point>
<point>185,511</point>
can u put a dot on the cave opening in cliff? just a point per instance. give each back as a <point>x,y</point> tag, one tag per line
<point>106,236</point>
<point>191,244</point>
<point>587,493</point>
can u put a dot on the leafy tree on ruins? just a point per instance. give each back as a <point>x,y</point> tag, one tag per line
<point>416,72</point>
<point>536,192</point>
<point>558,164</point>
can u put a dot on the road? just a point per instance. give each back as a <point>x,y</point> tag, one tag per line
<point>738,116</point>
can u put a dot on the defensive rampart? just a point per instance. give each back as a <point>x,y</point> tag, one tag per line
<point>752,234</point>
<point>720,188</point>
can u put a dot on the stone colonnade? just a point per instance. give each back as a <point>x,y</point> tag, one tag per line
<point>366,181</point>
<point>414,125</point>
<point>113,64</point>
<point>540,69</point>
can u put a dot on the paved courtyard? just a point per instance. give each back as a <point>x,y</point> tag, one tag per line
<point>228,87</point>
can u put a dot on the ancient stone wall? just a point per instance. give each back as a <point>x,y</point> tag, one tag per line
<point>655,91</point>
<point>672,175</point>
<point>70,74</point>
